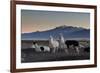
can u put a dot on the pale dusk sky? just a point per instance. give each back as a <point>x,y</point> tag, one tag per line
<point>35,20</point>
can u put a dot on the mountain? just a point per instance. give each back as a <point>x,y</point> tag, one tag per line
<point>69,32</point>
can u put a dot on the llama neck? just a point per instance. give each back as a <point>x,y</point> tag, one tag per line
<point>62,39</point>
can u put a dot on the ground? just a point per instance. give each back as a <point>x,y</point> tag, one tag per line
<point>29,55</point>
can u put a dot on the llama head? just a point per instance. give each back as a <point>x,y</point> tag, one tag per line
<point>34,42</point>
<point>51,37</point>
<point>60,34</point>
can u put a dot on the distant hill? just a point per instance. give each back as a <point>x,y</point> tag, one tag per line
<point>69,32</point>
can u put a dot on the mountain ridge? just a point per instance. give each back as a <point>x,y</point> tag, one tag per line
<point>69,32</point>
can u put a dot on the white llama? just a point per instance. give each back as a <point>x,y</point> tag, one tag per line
<point>62,44</point>
<point>54,44</point>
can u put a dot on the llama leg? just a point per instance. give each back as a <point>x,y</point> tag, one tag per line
<point>54,49</point>
<point>77,50</point>
<point>66,50</point>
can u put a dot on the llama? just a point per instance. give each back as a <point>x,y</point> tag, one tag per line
<point>62,44</point>
<point>73,44</point>
<point>54,44</point>
<point>36,47</point>
<point>40,48</point>
<point>45,48</point>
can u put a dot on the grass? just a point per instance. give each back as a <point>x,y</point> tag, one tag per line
<point>29,55</point>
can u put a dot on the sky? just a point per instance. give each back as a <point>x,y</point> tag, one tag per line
<point>36,20</point>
